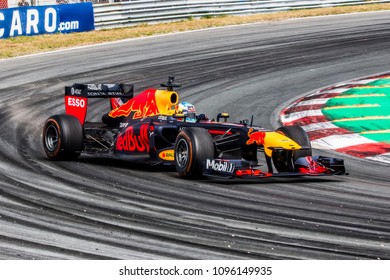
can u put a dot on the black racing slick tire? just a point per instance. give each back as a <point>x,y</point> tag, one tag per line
<point>193,145</point>
<point>62,137</point>
<point>284,160</point>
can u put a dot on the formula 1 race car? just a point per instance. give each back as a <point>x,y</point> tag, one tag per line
<point>149,128</point>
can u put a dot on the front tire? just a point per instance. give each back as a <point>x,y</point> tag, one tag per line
<point>193,145</point>
<point>62,137</point>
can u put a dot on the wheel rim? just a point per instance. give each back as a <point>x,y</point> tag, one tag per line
<point>51,138</point>
<point>182,153</point>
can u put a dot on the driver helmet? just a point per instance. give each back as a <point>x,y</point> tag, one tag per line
<point>188,110</point>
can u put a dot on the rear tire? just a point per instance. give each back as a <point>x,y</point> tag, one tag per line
<point>284,160</point>
<point>193,145</point>
<point>62,137</point>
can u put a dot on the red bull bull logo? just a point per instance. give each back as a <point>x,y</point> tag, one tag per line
<point>256,137</point>
<point>141,106</point>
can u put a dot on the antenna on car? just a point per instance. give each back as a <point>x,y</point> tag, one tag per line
<point>251,121</point>
<point>170,85</point>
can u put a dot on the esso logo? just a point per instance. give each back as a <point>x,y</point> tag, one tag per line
<point>75,102</point>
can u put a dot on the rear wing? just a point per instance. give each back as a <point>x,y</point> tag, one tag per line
<point>100,90</point>
<point>76,97</point>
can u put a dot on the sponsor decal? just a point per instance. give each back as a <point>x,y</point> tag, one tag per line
<point>220,166</point>
<point>134,139</point>
<point>103,93</point>
<point>162,118</point>
<point>75,91</point>
<point>76,106</point>
<point>167,155</point>
<point>256,137</point>
<point>96,87</point>
<point>75,102</point>
<point>34,20</point>
<point>96,90</point>
<point>123,125</point>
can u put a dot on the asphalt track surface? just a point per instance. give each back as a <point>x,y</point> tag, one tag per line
<point>105,209</point>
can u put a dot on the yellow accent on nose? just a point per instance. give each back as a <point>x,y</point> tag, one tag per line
<point>274,140</point>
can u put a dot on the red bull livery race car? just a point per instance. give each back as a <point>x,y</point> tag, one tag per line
<point>155,128</point>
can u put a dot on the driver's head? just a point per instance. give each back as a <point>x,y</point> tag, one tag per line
<point>188,110</point>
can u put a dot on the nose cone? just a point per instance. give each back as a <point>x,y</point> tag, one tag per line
<point>274,140</point>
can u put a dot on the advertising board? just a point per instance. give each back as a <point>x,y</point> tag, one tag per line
<point>35,20</point>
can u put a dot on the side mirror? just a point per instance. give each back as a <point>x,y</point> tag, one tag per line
<point>245,122</point>
<point>225,116</point>
<point>202,117</point>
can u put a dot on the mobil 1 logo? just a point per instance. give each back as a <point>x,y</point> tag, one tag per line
<point>218,167</point>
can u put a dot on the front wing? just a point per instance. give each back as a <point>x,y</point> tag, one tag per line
<point>305,166</point>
